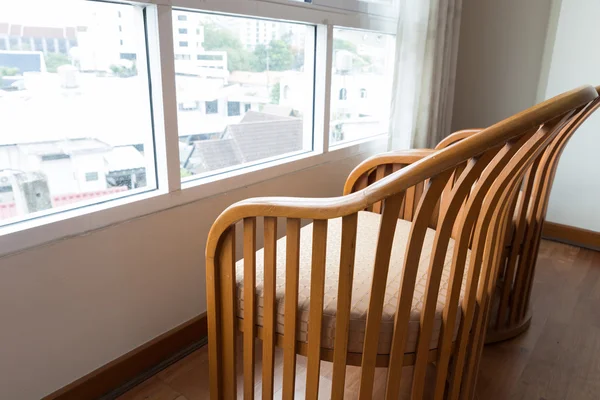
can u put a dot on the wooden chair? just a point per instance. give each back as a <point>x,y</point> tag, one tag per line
<point>510,314</point>
<point>356,285</point>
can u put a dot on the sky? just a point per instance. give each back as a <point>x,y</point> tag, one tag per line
<point>49,12</point>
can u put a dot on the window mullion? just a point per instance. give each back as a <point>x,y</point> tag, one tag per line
<point>323,70</point>
<point>162,73</point>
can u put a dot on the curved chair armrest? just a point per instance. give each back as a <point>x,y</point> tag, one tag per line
<point>402,157</point>
<point>455,137</point>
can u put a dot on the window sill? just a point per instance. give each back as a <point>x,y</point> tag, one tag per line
<point>21,236</point>
<point>349,143</point>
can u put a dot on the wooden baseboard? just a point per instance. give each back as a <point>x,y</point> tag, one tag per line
<point>128,367</point>
<point>571,235</point>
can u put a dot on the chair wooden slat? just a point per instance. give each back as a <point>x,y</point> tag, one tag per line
<point>517,239</point>
<point>407,285</point>
<point>342,321</point>
<point>409,203</point>
<point>249,305</point>
<point>269,307</point>
<point>292,272</point>
<point>228,329</point>
<point>473,206</point>
<point>378,285</point>
<point>315,314</point>
<point>475,301</point>
<point>380,173</point>
<point>455,198</point>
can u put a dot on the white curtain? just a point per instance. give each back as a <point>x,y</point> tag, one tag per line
<point>426,53</point>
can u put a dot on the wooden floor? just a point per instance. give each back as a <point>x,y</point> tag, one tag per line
<point>557,358</point>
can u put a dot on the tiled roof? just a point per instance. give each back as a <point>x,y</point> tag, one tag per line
<point>258,140</point>
<point>247,142</point>
<point>210,155</point>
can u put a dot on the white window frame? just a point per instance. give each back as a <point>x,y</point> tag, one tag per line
<point>171,192</point>
<point>370,7</point>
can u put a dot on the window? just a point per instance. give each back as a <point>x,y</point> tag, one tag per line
<point>212,107</point>
<point>210,57</point>
<point>128,56</point>
<point>362,64</point>
<point>233,108</point>
<point>91,176</point>
<point>86,112</point>
<point>191,106</point>
<point>76,124</point>
<point>230,73</point>
<point>371,7</point>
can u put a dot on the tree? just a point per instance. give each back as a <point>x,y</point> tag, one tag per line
<point>219,39</point>
<point>122,71</point>
<point>7,71</point>
<point>276,57</point>
<point>275,93</point>
<point>341,44</point>
<point>55,60</point>
<point>259,62</point>
<point>280,56</point>
<point>238,58</point>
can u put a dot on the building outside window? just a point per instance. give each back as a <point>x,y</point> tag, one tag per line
<point>212,107</point>
<point>91,176</point>
<point>271,124</point>
<point>72,121</point>
<point>76,92</point>
<point>233,108</point>
<point>362,65</point>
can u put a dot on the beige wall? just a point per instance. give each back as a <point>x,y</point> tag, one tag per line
<point>499,60</point>
<point>68,307</point>
<point>572,59</point>
<point>515,53</point>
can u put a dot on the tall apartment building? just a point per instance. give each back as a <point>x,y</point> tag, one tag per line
<point>188,35</point>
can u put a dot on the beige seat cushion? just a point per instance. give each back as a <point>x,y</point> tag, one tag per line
<point>368,228</point>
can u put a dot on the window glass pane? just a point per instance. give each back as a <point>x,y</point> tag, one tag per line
<point>243,98</point>
<point>75,121</point>
<point>361,84</point>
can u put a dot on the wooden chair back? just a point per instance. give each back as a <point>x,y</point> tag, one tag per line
<point>486,170</point>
